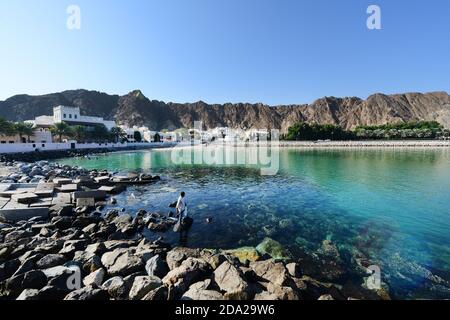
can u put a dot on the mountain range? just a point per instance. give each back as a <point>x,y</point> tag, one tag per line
<point>136,109</point>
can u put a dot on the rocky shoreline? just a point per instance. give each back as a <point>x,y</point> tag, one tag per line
<point>31,157</point>
<point>82,251</point>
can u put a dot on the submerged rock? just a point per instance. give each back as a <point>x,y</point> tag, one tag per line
<point>274,249</point>
<point>245,254</point>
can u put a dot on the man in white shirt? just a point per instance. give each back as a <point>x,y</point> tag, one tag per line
<point>182,206</point>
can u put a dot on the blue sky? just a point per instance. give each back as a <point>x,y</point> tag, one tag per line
<point>270,51</point>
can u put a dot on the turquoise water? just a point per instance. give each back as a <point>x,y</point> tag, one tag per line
<point>390,205</point>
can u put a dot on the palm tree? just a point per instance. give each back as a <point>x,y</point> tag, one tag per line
<point>6,128</point>
<point>29,130</point>
<point>79,133</point>
<point>24,129</point>
<point>60,129</point>
<point>118,134</point>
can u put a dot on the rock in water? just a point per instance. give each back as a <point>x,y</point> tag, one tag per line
<point>244,254</point>
<point>274,249</point>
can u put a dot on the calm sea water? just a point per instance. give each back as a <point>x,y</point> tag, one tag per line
<point>393,206</point>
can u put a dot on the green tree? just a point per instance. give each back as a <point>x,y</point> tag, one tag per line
<point>303,131</point>
<point>79,133</point>
<point>99,133</point>
<point>137,136</point>
<point>61,129</point>
<point>6,128</point>
<point>118,134</point>
<point>24,129</point>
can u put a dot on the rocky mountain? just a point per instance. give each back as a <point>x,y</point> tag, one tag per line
<point>135,109</point>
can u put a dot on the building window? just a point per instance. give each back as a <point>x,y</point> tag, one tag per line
<point>70,116</point>
<point>3,142</point>
<point>75,116</point>
<point>64,115</point>
<point>43,145</point>
<point>11,142</point>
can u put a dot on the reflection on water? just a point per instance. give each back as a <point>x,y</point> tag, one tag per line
<point>389,205</point>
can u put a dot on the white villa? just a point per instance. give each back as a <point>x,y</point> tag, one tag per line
<point>149,135</point>
<point>71,116</point>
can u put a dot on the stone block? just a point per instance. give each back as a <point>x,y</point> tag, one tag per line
<point>85,202</point>
<point>96,194</point>
<point>25,197</point>
<point>19,214</point>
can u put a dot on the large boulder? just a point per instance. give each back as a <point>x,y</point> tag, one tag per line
<point>158,294</point>
<point>121,262</point>
<point>271,271</point>
<point>156,266</point>
<point>89,261</point>
<point>28,294</point>
<point>143,285</point>
<point>124,224</point>
<point>117,288</point>
<point>195,294</point>
<point>88,293</point>
<point>59,276</point>
<point>50,260</point>
<point>190,271</point>
<point>34,279</point>
<point>95,278</point>
<point>281,292</point>
<point>177,255</point>
<point>8,268</point>
<point>230,279</point>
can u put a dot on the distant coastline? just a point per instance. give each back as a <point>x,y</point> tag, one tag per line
<point>349,144</point>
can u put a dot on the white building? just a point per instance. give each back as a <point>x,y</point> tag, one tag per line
<point>40,135</point>
<point>71,116</point>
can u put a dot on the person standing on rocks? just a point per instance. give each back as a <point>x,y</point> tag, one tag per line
<point>182,206</point>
